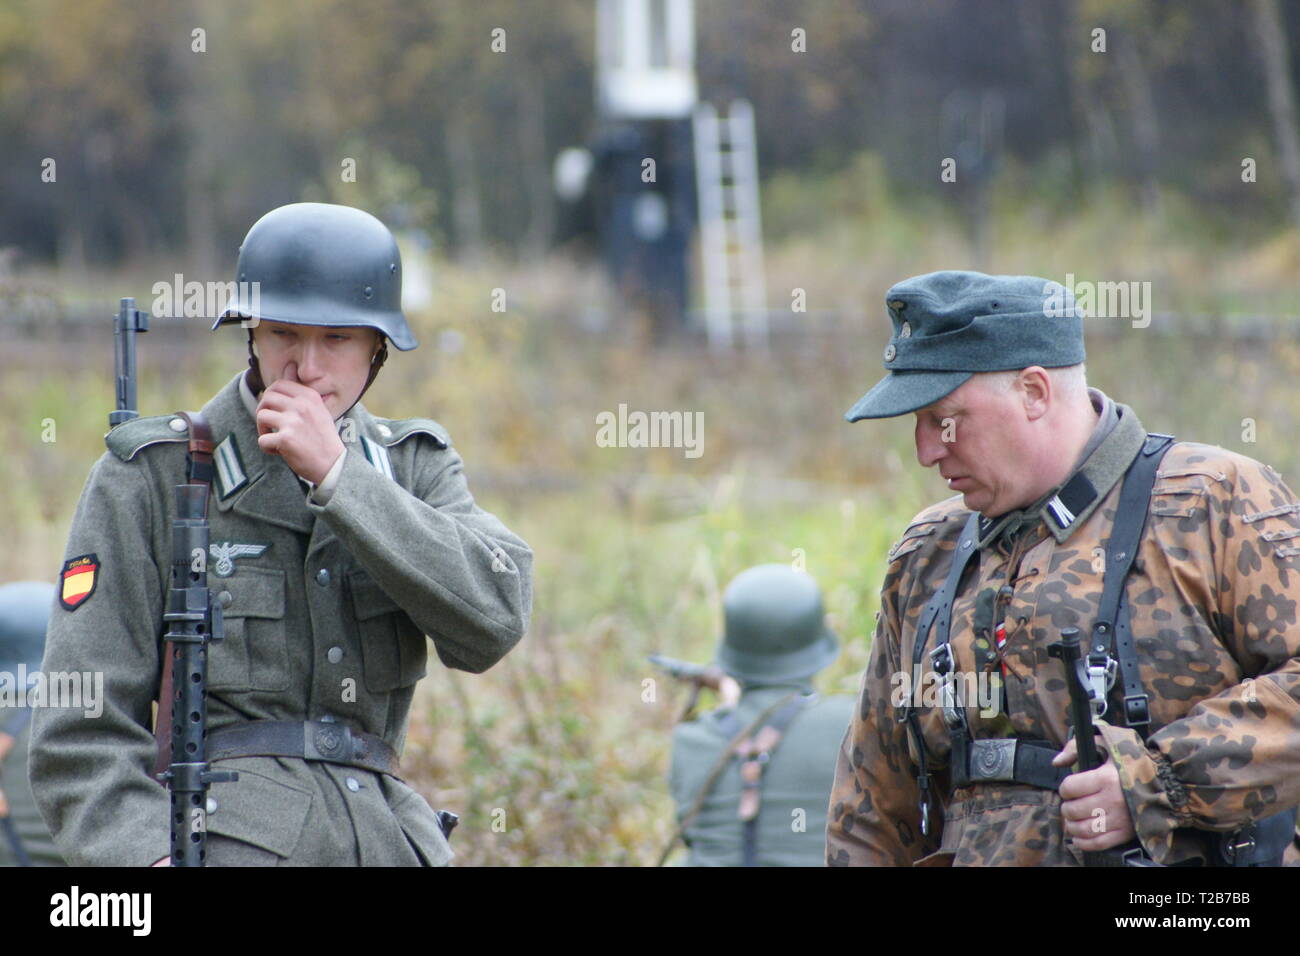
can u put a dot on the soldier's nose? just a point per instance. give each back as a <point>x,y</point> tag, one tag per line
<point>929,449</point>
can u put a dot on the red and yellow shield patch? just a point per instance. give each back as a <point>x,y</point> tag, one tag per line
<point>78,580</point>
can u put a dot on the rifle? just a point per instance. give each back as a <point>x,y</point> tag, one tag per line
<point>194,619</point>
<point>699,676</point>
<point>1070,652</point>
<point>128,321</point>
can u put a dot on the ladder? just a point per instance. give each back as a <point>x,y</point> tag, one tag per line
<point>731,230</point>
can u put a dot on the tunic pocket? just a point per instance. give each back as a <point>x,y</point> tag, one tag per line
<point>393,650</point>
<point>254,654</point>
<point>258,811</point>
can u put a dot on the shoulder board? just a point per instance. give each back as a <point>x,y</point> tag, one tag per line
<point>946,518</point>
<point>394,432</point>
<point>129,437</point>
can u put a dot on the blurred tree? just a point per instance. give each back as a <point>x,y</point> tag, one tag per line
<point>1275,61</point>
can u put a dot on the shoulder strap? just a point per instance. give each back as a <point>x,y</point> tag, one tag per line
<point>755,753</point>
<point>938,616</point>
<point>715,774</point>
<point>198,470</point>
<point>1121,549</point>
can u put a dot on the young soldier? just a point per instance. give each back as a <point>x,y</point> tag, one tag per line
<point>339,541</point>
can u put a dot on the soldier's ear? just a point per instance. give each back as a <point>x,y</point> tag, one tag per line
<point>1035,388</point>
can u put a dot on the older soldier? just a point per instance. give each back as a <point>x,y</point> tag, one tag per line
<point>1185,591</point>
<point>24,615</point>
<point>751,780</point>
<point>339,541</point>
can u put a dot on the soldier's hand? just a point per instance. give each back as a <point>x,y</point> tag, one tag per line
<point>4,804</point>
<point>1093,811</point>
<point>293,422</point>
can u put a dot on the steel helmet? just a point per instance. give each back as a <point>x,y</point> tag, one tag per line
<point>775,627</point>
<point>320,264</point>
<point>24,616</point>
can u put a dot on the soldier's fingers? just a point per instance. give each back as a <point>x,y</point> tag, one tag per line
<point>271,442</point>
<point>1079,785</point>
<point>4,804</point>
<point>268,421</point>
<point>290,372</point>
<point>1069,753</point>
<point>1080,809</point>
<point>282,393</point>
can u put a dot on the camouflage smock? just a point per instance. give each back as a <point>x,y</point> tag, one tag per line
<point>1212,603</point>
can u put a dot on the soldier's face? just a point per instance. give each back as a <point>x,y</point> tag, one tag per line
<point>334,362</point>
<point>979,437</point>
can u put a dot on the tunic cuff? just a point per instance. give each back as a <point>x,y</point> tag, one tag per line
<point>322,493</point>
<point>1156,799</point>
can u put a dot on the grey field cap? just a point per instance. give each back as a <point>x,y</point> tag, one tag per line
<point>950,325</point>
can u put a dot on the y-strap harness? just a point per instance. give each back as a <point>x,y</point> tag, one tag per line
<point>1110,651</point>
<point>1029,761</point>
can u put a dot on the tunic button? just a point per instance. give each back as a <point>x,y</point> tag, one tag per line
<point>323,577</point>
<point>212,805</point>
<point>353,785</point>
<point>334,655</point>
<point>890,352</point>
<point>384,430</point>
<point>226,599</point>
<point>177,425</point>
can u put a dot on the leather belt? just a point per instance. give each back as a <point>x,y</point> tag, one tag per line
<point>1010,760</point>
<point>326,741</point>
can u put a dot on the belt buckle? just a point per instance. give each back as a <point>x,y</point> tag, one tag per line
<point>332,742</point>
<point>993,759</point>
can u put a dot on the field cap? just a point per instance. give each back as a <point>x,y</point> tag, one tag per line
<point>950,325</point>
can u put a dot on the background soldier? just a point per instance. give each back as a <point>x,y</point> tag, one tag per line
<point>1197,667</point>
<point>751,781</point>
<point>339,540</point>
<point>24,614</point>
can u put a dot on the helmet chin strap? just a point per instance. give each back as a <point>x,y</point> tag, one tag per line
<point>256,385</point>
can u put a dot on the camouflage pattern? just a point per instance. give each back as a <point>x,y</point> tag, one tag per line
<point>326,617</point>
<point>1212,599</point>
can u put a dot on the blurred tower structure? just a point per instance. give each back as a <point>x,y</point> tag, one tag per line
<point>658,162</point>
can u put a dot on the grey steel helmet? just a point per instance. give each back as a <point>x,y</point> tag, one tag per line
<point>321,264</point>
<point>775,627</point>
<point>24,616</point>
